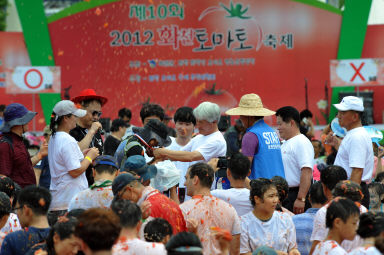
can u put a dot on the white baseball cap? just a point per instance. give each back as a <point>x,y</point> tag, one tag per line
<point>350,103</point>
<point>66,107</point>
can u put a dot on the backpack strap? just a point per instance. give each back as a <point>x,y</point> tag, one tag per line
<point>6,139</point>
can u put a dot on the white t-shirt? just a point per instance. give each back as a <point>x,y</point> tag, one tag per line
<point>12,225</point>
<point>356,151</point>
<point>297,153</point>
<point>100,197</point>
<point>329,247</point>
<point>210,146</point>
<point>238,198</point>
<point>365,251</point>
<point>137,246</point>
<point>64,155</point>
<point>320,231</point>
<point>278,232</point>
<point>182,166</point>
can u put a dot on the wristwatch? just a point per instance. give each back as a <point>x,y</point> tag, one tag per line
<point>301,199</point>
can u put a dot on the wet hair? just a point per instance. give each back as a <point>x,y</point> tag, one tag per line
<point>5,205</point>
<point>85,103</point>
<point>239,166</point>
<point>35,197</point>
<point>224,123</point>
<point>179,244</point>
<point>207,111</point>
<point>53,126</point>
<point>281,186</point>
<point>305,114</point>
<point>349,190</point>
<point>184,114</point>
<point>75,212</point>
<point>258,188</point>
<point>128,212</point>
<point>379,177</point>
<point>371,224</point>
<point>151,110</point>
<point>331,175</point>
<point>316,194</point>
<point>156,230</point>
<point>288,113</point>
<point>377,188</point>
<point>204,172</point>
<point>105,169</point>
<point>17,192</point>
<point>99,228</point>
<point>7,186</point>
<point>64,229</point>
<point>331,157</point>
<point>125,112</point>
<point>116,124</point>
<point>341,208</point>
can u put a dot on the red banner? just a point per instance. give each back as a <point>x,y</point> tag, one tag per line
<point>179,53</point>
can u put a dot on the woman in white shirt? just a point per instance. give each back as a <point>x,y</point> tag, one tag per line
<point>66,161</point>
<point>264,225</point>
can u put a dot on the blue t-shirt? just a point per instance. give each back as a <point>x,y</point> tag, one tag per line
<point>45,177</point>
<point>19,242</point>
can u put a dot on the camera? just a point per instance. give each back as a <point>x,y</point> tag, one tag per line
<point>222,164</point>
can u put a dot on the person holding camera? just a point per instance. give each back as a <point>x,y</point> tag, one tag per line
<point>238,194</point>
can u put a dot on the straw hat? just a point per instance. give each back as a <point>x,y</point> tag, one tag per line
<point>250,105</point>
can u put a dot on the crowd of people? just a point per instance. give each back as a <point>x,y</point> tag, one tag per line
<point>200,188</point>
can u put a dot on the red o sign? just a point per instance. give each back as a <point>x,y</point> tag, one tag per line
<point>26,81</point>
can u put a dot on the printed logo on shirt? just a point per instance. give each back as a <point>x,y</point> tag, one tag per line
<point>271,140</point>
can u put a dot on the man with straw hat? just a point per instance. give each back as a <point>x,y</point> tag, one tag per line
<point>260,143</point>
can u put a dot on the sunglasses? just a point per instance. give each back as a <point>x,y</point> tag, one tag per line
<point>96,113</point>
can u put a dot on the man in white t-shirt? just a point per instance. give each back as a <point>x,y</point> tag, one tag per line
<point>298,154</point>
<point>210,143</point>
<point>185,123</point>
<point>355,152</point>
<point>238,195</point>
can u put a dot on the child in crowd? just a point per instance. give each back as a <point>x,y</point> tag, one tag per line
<point>5,210</point>
<point>282,189</point>
<point>158,230</point>
<point>371,225</point>
<point>264,225</point>
<point>376,194</point>
<point>341,220</point>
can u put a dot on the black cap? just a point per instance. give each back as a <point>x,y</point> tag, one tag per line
<point>121,181</point>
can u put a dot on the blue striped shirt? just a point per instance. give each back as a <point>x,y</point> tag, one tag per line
<point>304,226</point>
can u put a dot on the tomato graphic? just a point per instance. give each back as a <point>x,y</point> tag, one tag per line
<point>219,96</point>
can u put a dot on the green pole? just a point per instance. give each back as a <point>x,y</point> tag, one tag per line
<point>36,35</point>
<point>352,36</point>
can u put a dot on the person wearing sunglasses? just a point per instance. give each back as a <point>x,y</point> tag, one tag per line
<point>87,131</point>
